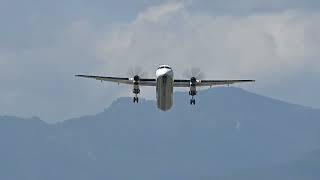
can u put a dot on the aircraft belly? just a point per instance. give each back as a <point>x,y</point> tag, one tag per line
<point>164,92</point>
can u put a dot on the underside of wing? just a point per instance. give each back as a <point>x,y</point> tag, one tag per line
<point>147,82</point>
<point>181,83</point>
<point>221,82</point>
<point>121,80</point>
<point>186,83</point>
<point>110,79</point>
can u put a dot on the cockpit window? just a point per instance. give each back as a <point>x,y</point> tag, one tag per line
<point>161,67</point>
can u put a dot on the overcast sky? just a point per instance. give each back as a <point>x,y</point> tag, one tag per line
<point>44,43</point>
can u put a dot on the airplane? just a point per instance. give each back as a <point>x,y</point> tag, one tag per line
<point>164,83</point>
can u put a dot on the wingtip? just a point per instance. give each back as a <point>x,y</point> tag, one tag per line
<point>79,75</point>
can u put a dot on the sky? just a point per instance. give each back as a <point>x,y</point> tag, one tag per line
<point>43,44</point>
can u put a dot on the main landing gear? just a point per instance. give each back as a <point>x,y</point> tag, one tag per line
<point>136,98</point>
<point>193,90</point>
<point>136,88</point>
<point>192,100</point>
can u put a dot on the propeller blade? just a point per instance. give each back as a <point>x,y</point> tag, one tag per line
<point>193,72</point>
<point>136,71</point>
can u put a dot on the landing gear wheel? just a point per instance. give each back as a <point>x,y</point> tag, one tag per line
<point>135,100</point>
<point>192,102</point>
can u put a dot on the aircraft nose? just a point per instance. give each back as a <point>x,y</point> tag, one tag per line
<point>168,72</point>
<point>164,72</point>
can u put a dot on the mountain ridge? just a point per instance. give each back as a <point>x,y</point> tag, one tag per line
<point>127,101</point>
<point>229,130</point>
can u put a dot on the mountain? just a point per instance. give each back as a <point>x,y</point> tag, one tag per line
<point>229,134</point>
<point>306,168</point>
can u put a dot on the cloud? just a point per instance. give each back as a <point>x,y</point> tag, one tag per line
<point>269,47</point>
<point>44,45</point>
<point>40,81</point>
<point>247,7</point>
<point>258,45</point>
<point>38,59</point>
<point>154,13</point>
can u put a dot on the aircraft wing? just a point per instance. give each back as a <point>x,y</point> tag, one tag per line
<point>186,83</point>
<point>121,80</point>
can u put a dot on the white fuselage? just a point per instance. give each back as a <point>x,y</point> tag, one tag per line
<point>164,87</point>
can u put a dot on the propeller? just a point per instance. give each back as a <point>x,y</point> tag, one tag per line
<point>136,73</point>
<point>193,74</point>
